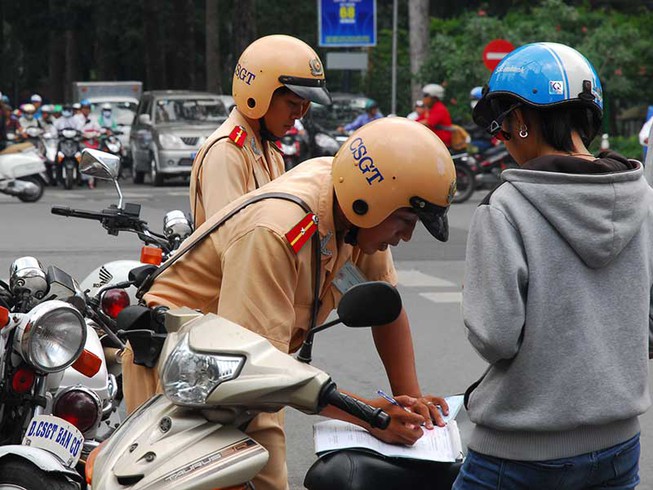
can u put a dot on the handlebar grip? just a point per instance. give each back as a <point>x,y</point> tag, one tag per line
<point>61,210</point>
<point>376,417</point>
<point>65,211</point>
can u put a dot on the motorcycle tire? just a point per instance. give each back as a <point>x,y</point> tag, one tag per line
<point>33,197</point>
<point>23,475</point>
<point>465,184</point>
<point>69,180</point>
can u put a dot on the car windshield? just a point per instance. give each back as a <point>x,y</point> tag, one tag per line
<point>339,113</point>
<point>123,111</point>
<point>189,110</point>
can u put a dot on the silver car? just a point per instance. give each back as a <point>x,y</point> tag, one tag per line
<point>168,129</point>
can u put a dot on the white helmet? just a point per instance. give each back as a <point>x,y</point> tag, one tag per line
<point>106,106</point>
<point>433,90</point>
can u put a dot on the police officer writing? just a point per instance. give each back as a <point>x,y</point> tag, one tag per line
<point>258,267</point>
<point>274,82</point>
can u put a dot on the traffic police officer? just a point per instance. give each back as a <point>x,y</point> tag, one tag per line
<point>255,269</point>
<point>274,82</point>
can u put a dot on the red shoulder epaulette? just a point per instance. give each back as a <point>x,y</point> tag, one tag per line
<point>238,136</point>
<point>302,232</point>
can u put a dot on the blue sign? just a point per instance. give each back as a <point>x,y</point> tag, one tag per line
<point>346,23</point>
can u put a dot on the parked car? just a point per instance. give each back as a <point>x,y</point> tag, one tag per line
<point>168,129</point>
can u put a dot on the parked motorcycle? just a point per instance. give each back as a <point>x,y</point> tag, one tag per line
<point>490,164</point>
<point>68,157</point>
<point>465,176</point>
<point>291,146</point>
<point>198,442</point>
<point>41,337</point>
<point>22,172</point>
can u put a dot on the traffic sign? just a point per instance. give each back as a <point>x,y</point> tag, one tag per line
<point>346,23</point>
<point>495,51</point>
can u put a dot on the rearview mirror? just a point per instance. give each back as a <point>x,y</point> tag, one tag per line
<point>100,164</point>
<point>370,304</point>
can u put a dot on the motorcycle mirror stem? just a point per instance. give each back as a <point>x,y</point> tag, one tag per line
<point>102,165</point>
<point>366,304</point>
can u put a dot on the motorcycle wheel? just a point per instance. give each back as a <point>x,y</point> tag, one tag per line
<point>156,177</point>
<point>464,184</point>
<point>68,179</point>
<point>38,194</point>
<point>19,474</point>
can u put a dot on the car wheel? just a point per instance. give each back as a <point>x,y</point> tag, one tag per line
<point>156,177</point>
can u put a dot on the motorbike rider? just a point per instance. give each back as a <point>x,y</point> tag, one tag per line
<point>274,82</point>
<point>67,119</point>
<point>258,268</point>
<point>36,100</point>
<point>371,113</point>
<point>437,115</point>
<point>27,118</point>
<point>557,287</point>
<point>106,119</point>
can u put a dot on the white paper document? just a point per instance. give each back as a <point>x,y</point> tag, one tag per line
<point>439,444</point>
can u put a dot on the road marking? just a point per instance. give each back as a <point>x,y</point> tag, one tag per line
<point>451,297</point>
<point>416,279</point>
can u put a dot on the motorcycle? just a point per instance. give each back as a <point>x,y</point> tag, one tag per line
<point>42,336</point>
<point>68,157</point>
<point>465,176</point>
<point>490,164</point>
<point>22,172</point>
<point>198,442</point>
<point>124,217</point>
<point>110,143</point>
<point>291,145</point>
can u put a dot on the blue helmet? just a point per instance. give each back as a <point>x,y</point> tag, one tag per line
<point>85,103</point>
<point>542,75</point>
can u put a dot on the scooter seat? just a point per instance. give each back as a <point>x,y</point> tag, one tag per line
<point>17,148</point>
<point>366,470</point>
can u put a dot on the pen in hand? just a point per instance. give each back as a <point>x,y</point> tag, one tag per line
<point>390,399</point>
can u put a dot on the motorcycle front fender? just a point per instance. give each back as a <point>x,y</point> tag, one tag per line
<point>41,458</point>
<point>162,445</point>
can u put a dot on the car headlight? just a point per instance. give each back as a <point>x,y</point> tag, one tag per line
<point>52,337</point>
<point>170,141</point>
<point>327,143</point>
<point>189,377</point>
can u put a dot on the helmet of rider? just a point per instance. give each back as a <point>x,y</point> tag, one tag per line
<point>28,111</point>
<point>542,76</point>
<point>370,104</point>
<point>433,90</point>
<point>47,109</point>
<point>84,103</point>
<point>394,163</point>
<point>76,106</point>
<point>36,99</point>
<point>272,62</point>
<point>475,95</point>
<point>57,109</point>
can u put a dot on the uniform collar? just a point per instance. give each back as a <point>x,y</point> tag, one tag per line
<point>251,141</point>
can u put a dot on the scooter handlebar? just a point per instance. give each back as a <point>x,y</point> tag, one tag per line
<point>374,416</point>
<point>76,213</point>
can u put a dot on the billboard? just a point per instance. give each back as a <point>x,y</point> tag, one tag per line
<point>346,23</point>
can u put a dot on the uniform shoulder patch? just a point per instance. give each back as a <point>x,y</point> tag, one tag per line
<point>302,232</point>
<point>238,136</point>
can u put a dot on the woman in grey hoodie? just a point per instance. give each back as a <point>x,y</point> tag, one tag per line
<point>557,288</point>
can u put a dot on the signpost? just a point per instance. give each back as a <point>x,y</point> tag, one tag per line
<point>495,51</point>
<point>347,23</point>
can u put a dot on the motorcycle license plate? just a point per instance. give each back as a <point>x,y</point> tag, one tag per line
<point>56,436</point>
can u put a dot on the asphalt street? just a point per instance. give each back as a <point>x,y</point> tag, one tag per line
<point>430,280</point>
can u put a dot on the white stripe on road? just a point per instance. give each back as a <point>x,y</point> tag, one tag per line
<point>415,279</point>
<point>452,297</point>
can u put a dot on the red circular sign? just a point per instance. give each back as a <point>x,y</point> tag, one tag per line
<point>495,51</point>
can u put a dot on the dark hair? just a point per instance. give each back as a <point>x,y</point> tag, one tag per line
<point>557,122</point>
<point>283,90</point>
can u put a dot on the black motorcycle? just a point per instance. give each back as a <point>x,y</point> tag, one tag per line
<point>69,153</point>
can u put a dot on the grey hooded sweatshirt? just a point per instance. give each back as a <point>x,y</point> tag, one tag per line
<point>556,298</point>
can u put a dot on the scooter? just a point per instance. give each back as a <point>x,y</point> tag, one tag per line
<point>68,157</point>
<point>190,437</point>
<point>22,172</point>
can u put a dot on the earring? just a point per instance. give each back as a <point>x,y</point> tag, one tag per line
<point>523,131</point>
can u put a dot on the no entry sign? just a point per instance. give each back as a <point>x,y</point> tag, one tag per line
<point>495,51</point>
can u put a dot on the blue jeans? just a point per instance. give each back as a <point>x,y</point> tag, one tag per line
<point>616,468</point>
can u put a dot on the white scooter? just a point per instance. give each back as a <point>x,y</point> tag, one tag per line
<point>22,171</point>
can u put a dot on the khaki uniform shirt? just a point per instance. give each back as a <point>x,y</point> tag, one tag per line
<point>229,171</point>
<point>248,273</point>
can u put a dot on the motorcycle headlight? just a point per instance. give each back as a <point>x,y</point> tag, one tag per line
<point>327,143</point>
<point>189,377</point>
<point>53,336</point>
<point>171,141</point>
<point>69,133</point>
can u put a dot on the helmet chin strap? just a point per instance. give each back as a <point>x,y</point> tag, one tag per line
<point>266,135</point>
<point>351,237</point>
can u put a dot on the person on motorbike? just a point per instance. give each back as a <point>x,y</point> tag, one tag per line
<point>36,100</point>
<point>436,116</point>
<point>27,118</point>
<point>418,111</point>
<point>557,293</point>
<point>371,113</point>
<point>274,82</point>
<point>258,268</point>
<point>56,112</point>
<point>106,119</point>
<point>67,119</point>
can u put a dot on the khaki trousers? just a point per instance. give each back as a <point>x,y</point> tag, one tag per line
<point>139,383</point>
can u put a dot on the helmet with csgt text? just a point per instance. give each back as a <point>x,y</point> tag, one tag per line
<point>394,163</point>
<point>272,62</point>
